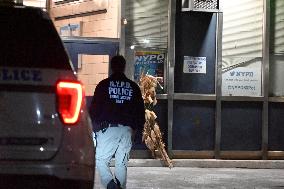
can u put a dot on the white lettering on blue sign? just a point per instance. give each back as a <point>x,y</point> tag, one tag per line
<point>150,59</point>
<point>120,91</point>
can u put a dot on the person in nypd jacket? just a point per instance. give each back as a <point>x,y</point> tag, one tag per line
<point>117,111</point>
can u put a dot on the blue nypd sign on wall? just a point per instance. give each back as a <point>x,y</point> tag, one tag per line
<point>70,30</point>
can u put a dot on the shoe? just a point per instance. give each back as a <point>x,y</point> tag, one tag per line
<point>118,183</point>
<point>113,185</point>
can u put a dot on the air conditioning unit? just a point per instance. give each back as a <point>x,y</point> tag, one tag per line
<point>200,5</point>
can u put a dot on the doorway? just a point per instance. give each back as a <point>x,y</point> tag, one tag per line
<point>90,58</point>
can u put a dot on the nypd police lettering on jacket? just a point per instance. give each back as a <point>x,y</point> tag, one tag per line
<point>117,100</point>
<point>120,91</point>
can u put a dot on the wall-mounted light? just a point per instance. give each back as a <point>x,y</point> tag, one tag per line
<point>146,41</point>
<point>124,21</point>
<point>132,47</point>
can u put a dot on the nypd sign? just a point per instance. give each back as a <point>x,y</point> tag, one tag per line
<point>151,63</point>
<point>150,59</point>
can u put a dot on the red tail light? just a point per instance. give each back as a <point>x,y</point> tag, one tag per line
<point>69,100</point>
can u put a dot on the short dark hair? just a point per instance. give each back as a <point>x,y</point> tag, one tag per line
<point>117,64</point>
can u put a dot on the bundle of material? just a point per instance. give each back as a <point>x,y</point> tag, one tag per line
<point>151,134</point>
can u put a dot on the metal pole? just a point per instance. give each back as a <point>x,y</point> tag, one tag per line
<point>219,29</point>
<point>265,70</point>
<point>170,73</point>
<point>121,27</point>
<point>47,7</point>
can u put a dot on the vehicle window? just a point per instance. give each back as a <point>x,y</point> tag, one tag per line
<point>28,39</point>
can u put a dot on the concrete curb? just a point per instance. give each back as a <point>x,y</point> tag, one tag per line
<point>210,163</point>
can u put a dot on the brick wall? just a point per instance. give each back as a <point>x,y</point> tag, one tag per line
<point>103,23</point>
<point>94,68</point>
<point>100,24</point>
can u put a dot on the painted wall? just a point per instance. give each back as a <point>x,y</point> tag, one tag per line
<point>90,18</point>
<point>96,18</point>
<point>92,69</point>
<point>35,3</point>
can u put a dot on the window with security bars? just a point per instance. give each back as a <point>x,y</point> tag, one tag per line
<point>146,38</point>
<point>276,48</point>
<point>242,47</point>
<point>147,23</point>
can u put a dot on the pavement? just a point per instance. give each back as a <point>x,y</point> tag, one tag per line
<point>148,174</point>
<point>210,163</point>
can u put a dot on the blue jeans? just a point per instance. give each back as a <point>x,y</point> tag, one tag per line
<point>113,141</point>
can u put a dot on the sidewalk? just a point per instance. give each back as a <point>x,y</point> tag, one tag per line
<point>190,178</point>
<point>211,163</point>
<point>204,173</point>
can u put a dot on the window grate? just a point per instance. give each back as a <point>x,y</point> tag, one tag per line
<point>200,5</point>
<point>206,4</point>
<point>59,2</point>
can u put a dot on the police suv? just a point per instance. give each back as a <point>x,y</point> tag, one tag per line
<point>45,130</point>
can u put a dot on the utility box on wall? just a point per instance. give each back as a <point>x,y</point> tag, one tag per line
<point>200,5</point>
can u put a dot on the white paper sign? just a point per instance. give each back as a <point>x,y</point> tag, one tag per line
<point>242,81</point>
<point>194,64</point>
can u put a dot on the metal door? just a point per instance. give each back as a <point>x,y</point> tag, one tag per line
<point>90,56</point>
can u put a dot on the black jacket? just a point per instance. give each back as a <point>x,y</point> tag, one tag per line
<point>117,100</point>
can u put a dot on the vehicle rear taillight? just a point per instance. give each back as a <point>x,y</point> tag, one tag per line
<point>69,100</point>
